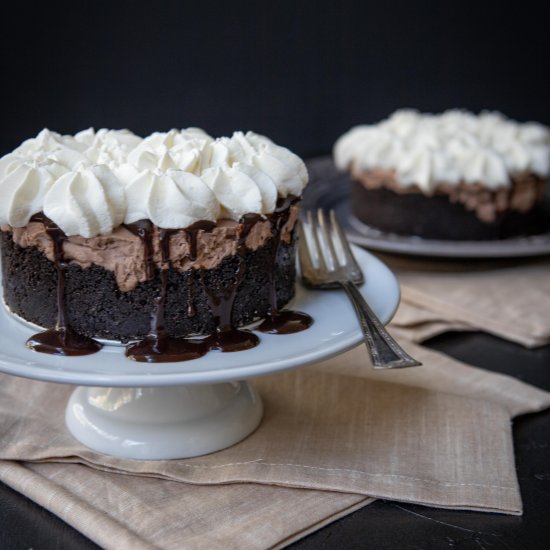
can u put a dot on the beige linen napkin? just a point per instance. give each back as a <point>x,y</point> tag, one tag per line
<point>509,299</point>
<point>334,436</point>
<point>120,511</point>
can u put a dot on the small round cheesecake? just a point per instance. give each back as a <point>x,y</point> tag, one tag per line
<point>155,241</point>
<point>454,176</point>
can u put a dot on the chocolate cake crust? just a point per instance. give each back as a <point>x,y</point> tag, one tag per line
<point>437,217</point>
<point>97,308</point>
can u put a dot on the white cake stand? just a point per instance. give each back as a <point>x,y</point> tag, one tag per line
<point>181,410</point>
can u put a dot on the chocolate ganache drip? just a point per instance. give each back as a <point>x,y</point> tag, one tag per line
<point>158,346</point>
<point>61,340</point>
<point>285,321</point>
<point>192,233</point>
<point>226,337</point>
<point>144,230</point>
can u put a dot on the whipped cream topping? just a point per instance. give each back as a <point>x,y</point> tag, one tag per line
<point>110,147</point>
<point>175,149</point>
<point>194,151</point>
<point>46,142</point>
<point>241,189</point>
<point>46,148</point>
<point>174,199</point>
<point>457,146</point>
<point>87,202</point>
<point>22,191</point>
<point>286,169</point>
<point>93,181</point>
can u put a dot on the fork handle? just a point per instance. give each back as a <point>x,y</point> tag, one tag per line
<point>385,352</point>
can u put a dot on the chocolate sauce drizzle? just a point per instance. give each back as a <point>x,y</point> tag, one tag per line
<point>61,340</point>
<point>158,345</point>
<point>144,230</point>
<point>285,321</point>
<point>226,337</point>
<point>192,233</point>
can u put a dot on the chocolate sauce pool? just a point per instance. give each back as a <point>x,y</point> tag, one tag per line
<point>158,346</point>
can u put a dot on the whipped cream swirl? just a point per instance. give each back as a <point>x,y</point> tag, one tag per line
<point>46,142</point>
<point>88,202</point>
<point>285,168</point>
<point>172,200</point>
<point>457,146</point>
<point>22,191</point>
<point>242,189</point>
<point>175,149</point>
<point>60,153</point>
<point>110,147</point>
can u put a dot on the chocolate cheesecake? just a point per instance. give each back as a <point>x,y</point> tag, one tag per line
<point>169,244</point>
<point>454,176</point>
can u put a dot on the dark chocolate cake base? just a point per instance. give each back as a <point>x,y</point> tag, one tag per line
<point>436,217</point>
<point>97,308</point>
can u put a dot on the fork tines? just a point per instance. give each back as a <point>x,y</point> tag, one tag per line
<point>325,248</point>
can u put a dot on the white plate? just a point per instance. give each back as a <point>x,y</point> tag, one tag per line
<point>330,189</point>
<point>369,237</point>
<point>335,330</point>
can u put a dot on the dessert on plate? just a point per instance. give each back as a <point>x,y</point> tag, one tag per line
<point>456,175</point>
<point>151,242</point>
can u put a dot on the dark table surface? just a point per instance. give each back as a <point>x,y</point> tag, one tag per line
<point>384,524</point>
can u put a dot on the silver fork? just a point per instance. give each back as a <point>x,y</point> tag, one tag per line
<point>327,262</point>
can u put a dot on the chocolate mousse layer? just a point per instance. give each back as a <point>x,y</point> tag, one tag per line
<point>453,212</point>
<point>123,253</point>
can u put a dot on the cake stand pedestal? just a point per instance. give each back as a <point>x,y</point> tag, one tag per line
<point>163,422</point>
<point>156,411</point>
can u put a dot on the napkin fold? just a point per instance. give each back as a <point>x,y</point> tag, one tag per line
<point>510,299</point>
<point>417,324</point>
<point>334,436</point>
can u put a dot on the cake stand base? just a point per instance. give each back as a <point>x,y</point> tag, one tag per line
<point>163,422</point>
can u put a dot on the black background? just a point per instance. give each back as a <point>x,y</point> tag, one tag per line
<point>300,72</point>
